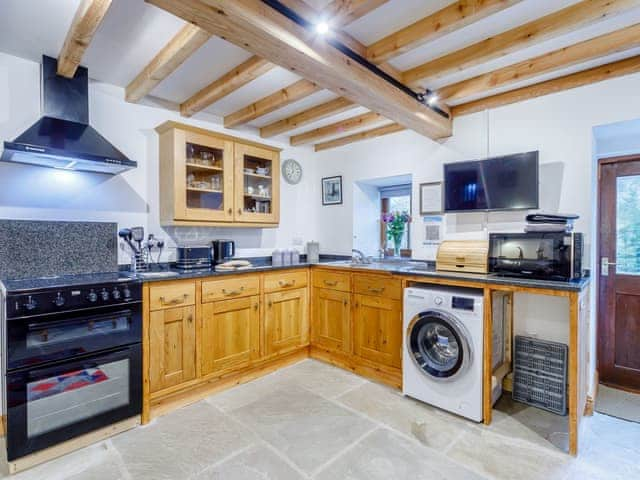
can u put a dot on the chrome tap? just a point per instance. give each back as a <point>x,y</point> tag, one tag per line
<point>359,257</point>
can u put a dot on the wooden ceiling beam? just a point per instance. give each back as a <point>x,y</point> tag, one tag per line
<point>341,13</point>
<point>324,110</point>
<point>591,49</point>
<point>343,126</point>
<point>189,39</point>
<point>258,28</point>
<point>574,80</point>
<point>86,21</point>
<point>270,103</point>
<point>230,82</point>
<point>553,25</point>
<point>357,137</point>
<point>447,20</point>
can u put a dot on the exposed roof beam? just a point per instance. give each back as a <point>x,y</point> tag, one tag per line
<point>356,137</point>
<point>268,104</point>
<point>544,28</point>
<point>189,39</point>
<point>601,46</point>
<point>228,83</point>
<point>449,19</point>
<point>341,13</point>
<point>85,22</point>
<point>260,29</point>
<point>586,77</point>
<point>324,110</point>
<point>343,126</point>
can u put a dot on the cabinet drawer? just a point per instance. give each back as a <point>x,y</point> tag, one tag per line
<point>227,288</point>
<point>171,295</point>
<point>332,280</point>
<point>274,282</point>
<point>382,287</point>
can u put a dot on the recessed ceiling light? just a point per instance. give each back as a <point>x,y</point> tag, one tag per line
<point>322,28</point>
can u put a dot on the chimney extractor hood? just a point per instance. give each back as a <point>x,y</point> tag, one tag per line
<point>63,138</point>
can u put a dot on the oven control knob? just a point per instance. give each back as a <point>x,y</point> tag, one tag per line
<point>116,294</point>
<point>92,297</point>
<point>59,301</point>
<point>126,293</point>
<point>31,303</point>
<point>104,295</point>
<point>437,300</point>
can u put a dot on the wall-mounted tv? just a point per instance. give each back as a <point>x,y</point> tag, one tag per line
<point>499,183</point>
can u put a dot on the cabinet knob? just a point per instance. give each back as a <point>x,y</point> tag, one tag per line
<point>190,318</point>
<point>230,211</point>
<point>270,304</point>
<point>345,303</point>
<point>239,211</point>
<point>255,307</point>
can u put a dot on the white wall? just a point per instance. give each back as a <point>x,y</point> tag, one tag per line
<point>28,192</point>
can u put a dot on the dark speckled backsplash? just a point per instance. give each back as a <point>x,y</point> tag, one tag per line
<point>31,249</point>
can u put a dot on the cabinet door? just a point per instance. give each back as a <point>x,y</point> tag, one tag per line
<point>230,334</point>
<point>257,184</point>
<point>286,320</point>
<point>331,322</point>
<point>203,177</point>
<point>172,344</point>
<point>377,325</point>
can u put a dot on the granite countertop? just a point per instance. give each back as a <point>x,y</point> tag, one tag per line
<point>165,272</point>
<point>427,270</point>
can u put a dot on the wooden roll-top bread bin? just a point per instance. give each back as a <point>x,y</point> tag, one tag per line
<point>470,256</point>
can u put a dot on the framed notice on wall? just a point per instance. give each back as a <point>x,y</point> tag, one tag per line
<point>430,198</point>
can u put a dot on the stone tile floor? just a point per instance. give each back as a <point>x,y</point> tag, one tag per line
<point>313,420</point>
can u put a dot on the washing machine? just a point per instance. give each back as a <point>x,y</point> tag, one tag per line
<point>443,348</point>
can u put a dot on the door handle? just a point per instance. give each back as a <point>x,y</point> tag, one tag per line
<point>604,266</point>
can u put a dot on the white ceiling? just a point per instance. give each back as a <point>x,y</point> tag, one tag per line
<point>134,31</point>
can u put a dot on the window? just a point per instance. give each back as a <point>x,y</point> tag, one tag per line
<point>396,198</point>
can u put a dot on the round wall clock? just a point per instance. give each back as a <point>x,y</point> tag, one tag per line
<point>292,171</point>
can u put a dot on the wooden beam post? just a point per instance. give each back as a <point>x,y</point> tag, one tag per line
<point>86,21</point>
<point>341,13</point>
<point>189,39</point>
<point>356,137</point>
<point>343,126</point>
<point>228,83</point>
<point>550,26</point>
<point>258,28</point>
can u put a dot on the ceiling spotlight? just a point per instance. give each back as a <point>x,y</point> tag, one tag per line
<point>322,28</point>
<point>432,99</point>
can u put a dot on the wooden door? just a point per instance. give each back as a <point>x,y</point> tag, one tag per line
<point>204,175</point>
<point>286,320</point>
<point>230,334</point>
<point>172,345</point>
<point>257,184</point>
<point>377,327</point>
<point>331,321</point>
<point>619,273</point>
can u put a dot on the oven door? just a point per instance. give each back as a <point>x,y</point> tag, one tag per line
<point>37,340</point>
<point>51,404</point>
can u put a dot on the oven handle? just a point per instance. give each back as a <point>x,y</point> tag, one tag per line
<point>87,319</point>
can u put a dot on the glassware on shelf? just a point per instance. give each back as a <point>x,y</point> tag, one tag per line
<point>206,158</point>
<point>190,152</point>
<point>215,182</point>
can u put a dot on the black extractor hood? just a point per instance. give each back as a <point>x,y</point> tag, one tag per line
<point>63,138</point>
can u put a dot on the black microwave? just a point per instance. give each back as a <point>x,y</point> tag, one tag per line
<point>539,255</point>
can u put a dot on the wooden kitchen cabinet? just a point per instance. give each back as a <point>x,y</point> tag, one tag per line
<point>230,334</point>
<point>286,320</point>
<point>331,320</point>
<point>172,342</point>
<point>212,179</point>
<point>377,328</point>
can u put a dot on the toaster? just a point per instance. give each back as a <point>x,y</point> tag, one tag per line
<point>194,257</point>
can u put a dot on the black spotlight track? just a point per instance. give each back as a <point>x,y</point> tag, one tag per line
<point>334,42</point>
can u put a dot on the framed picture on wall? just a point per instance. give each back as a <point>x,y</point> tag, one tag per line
<point>430,198</point>
<point>332,190</point>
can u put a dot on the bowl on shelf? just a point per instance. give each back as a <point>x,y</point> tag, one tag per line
<point>249,171</point>
<point>262,170</point>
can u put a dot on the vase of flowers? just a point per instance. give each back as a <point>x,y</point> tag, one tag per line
<point>396,224</point>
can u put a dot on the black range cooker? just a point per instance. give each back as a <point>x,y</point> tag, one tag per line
<point>72,361</point>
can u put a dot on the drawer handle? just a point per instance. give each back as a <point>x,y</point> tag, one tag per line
<point>331,283</point>
<point>287,284</point>
<point>175,301</point>
<point>375,290</point>
<point>460,259</point>
<point>231,293</point>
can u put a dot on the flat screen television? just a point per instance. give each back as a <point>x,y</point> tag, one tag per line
<point>499,183</point>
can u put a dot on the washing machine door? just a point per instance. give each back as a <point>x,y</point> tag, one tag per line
<point>439,345</point>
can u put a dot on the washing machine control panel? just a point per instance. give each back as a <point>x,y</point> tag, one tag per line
<point>462,303</point>
<point>438,301</point>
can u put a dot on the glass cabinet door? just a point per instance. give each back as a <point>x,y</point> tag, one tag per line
<point>206,178</point>
<point>257,184</point>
